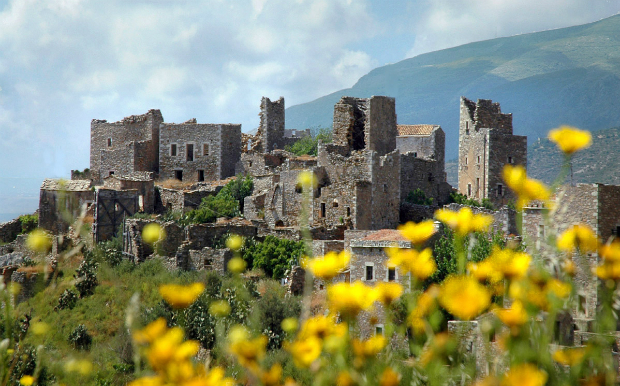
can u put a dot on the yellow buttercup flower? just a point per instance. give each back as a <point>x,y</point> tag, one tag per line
<point>464,221</point>
<point>424,305</point>
<point>27,380</point>
<point>304,351</point>
<point>181,296</point>
<point>418,233</point>
<point>273,377</point>
<point>152,233</point>
<point>514,316</point>
<point>609,270</point>
<point>40,328</point>
<point>464,297</point>
<point>369,348</point>
<point>219,308</point>
<point>155,380</point>
<point>524,375</point>
<point>389,377</point>
<point>328,266</point>
<point>249,351</point>
<point>151,332</point>
<point>234,242</point>
<point>386,293</point>
<point>558,288</point>
<point>349,299</point>
<point>610,251</point>
<point>419,264</point>
<point>290,325</point>
<point>570,139</point>
<point>322,327</point>
<point>307,179</point>
<point>569,356</point>
<point>39,241</point>
<point>527,189</point>
<point>579,237</point>
<point>236,265</point>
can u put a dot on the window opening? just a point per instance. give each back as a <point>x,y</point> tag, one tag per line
<point>201,175</point>
<point>391,273</point>
<point>111,172</point>
<point>469,189</point>
<point>369,273</point>
<point>190,151</point>
<point>500,190</point>
<point>178,174</point>
<point>379,329</point>
<point>173,150</point>
<point>109,142</point>
<point>205,149</point>
<point>322,209</point>
<point>348,211</point>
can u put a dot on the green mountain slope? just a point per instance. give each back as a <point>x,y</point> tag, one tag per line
<point>564,76</point>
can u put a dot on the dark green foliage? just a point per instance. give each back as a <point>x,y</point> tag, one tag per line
<point>200,324</point>
<point>25,364</point>
<point>445,254</point>
<point>212,207</point>
<point>159,310</point>
<point>29,222</point>
<point>274,256</point>
<point>80,338</point>
<point>67,300</point>
<point>239,189</point>
<point>273,308</point>
<point>213,284</point>
<point>418,197</point>
<point>463,200</point>
<point>110,252</point>
<point>309,144</point>
<point>86,277</point>
<point>84,174</point>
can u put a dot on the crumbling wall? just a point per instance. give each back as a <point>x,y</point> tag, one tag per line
<point>504,219</point>
<point>271,127</point>
<point>426,146</point>
<point>113,145</point>
<point>503,149</point>
<point>9,230</point>
<point>215,149</point>
<point>385,179</point>
<point>58,209</point>
<point>210,259</point>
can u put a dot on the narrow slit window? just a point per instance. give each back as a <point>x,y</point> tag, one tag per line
<point>370,273</point>
<point>190,151</point>
<point>109,142</point>
<point>201,175</point>
<point>500,190</point>
<point>178,174</point>
<point>173,150</point>
<point>322,209</point>
<point>205,149</point>
<point>391,273</point>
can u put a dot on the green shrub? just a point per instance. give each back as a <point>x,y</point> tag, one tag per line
<point>462,199</point>
<point>200,325</point>
<point>239,188</point>
<point>274,256</point>
<point>86,277</point>
<point>67,300</point>
<point>29,222</point>
<point>80,339</point>
<point>273,308</point>
<point>25,364</point>
<point>212,207</point>
<point>418,197</point>
<point>309,144</point>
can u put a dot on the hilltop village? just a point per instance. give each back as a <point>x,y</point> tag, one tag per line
<point>143,164</point>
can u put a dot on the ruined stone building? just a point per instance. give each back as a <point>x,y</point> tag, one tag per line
<point>62,201</point>
<point>486,144</point>
<point>144,143</point>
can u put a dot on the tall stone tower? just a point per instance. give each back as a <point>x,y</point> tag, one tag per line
<point>486,144</point>
<point>271,127</point>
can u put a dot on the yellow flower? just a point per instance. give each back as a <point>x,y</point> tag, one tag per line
<point>527,189</point>
<point>249,351</point>
<point>511,264</point>
<point>349,299</point>
<point>307,179</point>
<point>219,308</point>
<point>464,297</point>
<point>152,233</point>
<point>419,264</point>
<point>344,379</point>
<point>322,327</point>
<point>578,236</point>
<point>464,221</point>
<point>610,251</point>
<point>290,325</point>
<point>147,381</point>
<point>328,266</point>
<point>418,233</point>
<point>512,317</point>
<point>27,380</point>
<point>181,296</point>
<point>39,241</point>
<point>40,328</point>
<point>524,375</point>
<point>236,265</point>
<point>234,242</point>
<point>304,351</point>
<point>424,305</point>
<point>569,356</point>
<point>558,288</point>
<point>386,293</point>
<point>170,347</point>
<point>570,139</point>
<point>273,377</point>
<point>82,366</point>
<point>389,377</point>
<point>370,347</point>
<point>151,332</point>
<point>608,270</point>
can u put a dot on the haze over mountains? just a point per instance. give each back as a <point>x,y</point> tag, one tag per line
<point>564,76</point>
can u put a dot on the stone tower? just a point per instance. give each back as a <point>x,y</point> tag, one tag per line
<point>271,127</point>
<point>486,144</point>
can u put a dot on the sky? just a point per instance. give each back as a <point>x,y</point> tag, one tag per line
<point>66,62</point>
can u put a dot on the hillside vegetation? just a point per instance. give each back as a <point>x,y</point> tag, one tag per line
<point>564,76</point>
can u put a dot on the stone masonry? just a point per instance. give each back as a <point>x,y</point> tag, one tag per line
<point>486,145</point>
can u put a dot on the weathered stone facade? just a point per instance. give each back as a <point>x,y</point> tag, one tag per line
<point>9,230</point>
<point>198,152</point>
<point>125,146</point>
<point>486,145</point>
<point>141,182</point>
<point>63,201</point>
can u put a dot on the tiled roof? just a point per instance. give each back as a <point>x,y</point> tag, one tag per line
<point>416,129</point>
<point>68,185</point>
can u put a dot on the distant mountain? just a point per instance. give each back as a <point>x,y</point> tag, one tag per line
<point>598,163</point>
<point>564,76</point>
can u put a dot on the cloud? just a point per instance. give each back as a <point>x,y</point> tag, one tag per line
<point>448,23</point>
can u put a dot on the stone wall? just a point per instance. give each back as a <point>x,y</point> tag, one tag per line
<point>426,175</point>
<point>429,147</point>
<point>144,185</point>
<point>271,127</point>
<point>9,230</point>
<point>210,259</point>
<point>215,149</point>
<point>58,209</point>
<point>113,145</point>
<point>504,219</point>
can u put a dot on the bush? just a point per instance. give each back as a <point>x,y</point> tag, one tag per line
<point>462,199</point>
<point>212,207</point>
<point>274,256</point>
<point>67,300</point>
<point>418,197</point>
<point>200,325</point>
<point>25,364</point>
<point>29,222</point>
<point>239,188</point>
<point>309,144</point>
<point>86,276</point>
<point>80,339</point>
<point>273,308</point>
